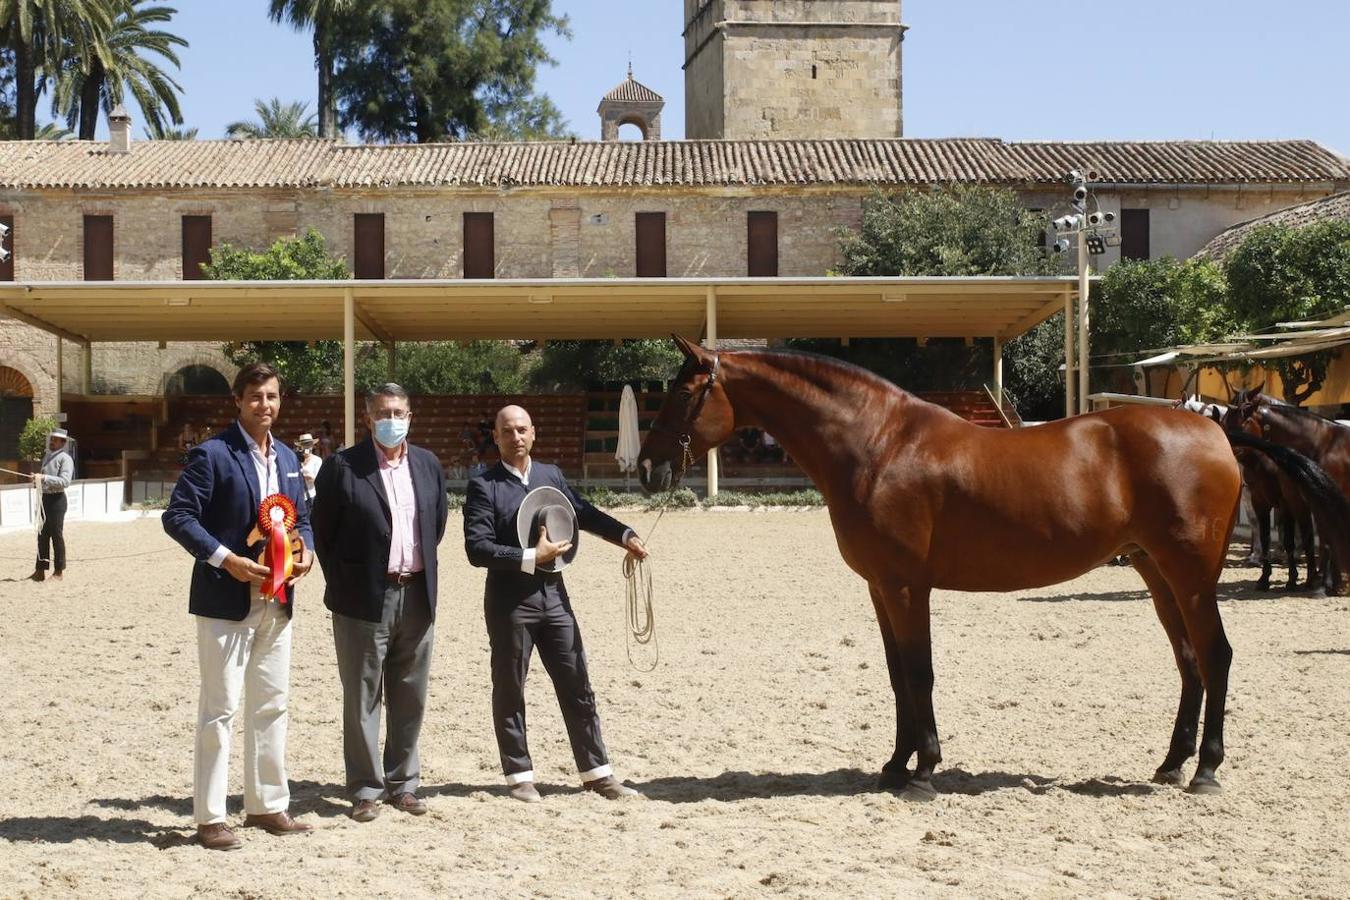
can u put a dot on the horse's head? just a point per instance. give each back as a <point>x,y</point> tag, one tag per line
<point>695,417</point>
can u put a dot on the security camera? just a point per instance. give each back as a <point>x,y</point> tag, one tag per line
<point>1074,177</point>
<point>4,231</point>
<point>1101,217</point>
<point>1060,246</point>
<point>1066,223</point>
<point>1079,194</point>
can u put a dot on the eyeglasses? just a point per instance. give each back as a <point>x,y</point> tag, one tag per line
<point>399,414</point>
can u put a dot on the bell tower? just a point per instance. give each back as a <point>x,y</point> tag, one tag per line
<point>792,69</point>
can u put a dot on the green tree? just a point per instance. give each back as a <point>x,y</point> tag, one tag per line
<point>171,134</point>
<point>475,367</point>
<point>304,366</point>
<point>959,231</point>
<point>432,70</point>
<point>8,126</point>
<point>115,67</point>
<point>319,15</point>
<point>573,365</point>
<point>41,34</point>
<point>1280,274</point>
<point>33,437</point>
<point>276,120</point>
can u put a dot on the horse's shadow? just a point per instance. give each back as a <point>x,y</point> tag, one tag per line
<point>1085,597</point>
<point>737,786</point>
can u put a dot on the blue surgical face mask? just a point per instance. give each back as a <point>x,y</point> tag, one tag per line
<point>391,432</point>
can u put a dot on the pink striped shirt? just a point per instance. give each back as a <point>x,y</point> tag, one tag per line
<point>405,548</point>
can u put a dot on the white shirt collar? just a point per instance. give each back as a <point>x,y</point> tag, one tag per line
<point>252,444</point>
<point>523,476</point>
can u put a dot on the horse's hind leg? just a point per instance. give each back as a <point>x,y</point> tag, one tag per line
<point>1192,689</point>
<point>1194,590</point>
<point>895,773</point>
<point>1289,540</point>
<point>1263,528</point>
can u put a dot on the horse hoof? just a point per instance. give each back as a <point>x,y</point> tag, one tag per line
<point>1200,785</point>
<point>893,779</point>
<point>918,792</point>
<point>1169,776</point>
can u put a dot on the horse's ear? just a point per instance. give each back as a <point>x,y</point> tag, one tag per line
<point>690,349</point>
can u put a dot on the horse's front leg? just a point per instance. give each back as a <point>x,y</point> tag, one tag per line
<point>907,608</point>
<point>895,773</point>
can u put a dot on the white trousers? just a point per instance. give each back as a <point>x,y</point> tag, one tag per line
<point>251,658</point>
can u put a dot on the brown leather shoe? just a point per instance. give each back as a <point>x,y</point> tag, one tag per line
<point>277,823</point>
<point>408,802</point>
<point>610,788</point>
<point>38,575</point>
<point>525,792</point>
<point>365,811</point>
<point>218,837</point>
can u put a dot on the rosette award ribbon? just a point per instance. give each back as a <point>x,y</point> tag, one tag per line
<point>276,521</point>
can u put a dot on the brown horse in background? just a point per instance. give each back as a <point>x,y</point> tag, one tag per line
<point>922,499</point>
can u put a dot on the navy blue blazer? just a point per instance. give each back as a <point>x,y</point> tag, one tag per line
<point>216,502</point>
<point>353,527</point>
<point>490,538</point>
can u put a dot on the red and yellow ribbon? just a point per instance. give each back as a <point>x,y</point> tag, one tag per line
<point>276,517</point>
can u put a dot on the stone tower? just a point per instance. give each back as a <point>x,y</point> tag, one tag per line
<point>631,103</point>
<point>757,69</point>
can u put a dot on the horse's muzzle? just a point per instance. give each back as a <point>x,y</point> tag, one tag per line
<point>654,476</point>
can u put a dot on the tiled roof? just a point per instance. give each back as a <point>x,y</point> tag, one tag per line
<point>882,162</point>
<point>634,91</point>
<point>1336,206</point>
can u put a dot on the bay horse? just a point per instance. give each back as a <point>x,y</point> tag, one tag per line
<point>1273,490</point>
<point>920,498</point>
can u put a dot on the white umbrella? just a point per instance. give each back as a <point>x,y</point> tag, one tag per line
<point>626,454</point>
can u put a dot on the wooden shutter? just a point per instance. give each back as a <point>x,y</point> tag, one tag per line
<point>762,244</point>
<point>651,245</point>
<point>7,267</point>
<point>98,248</point>
<point>196,246</point>
<point>368,239</point>
<point>479,261</point>
<point>1134,234</point>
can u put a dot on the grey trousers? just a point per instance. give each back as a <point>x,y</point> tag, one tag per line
<point>390,659</point>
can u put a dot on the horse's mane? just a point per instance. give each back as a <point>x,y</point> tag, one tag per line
<point>807,364</point>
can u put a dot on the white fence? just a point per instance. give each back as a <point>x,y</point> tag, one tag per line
<point>91,499</point>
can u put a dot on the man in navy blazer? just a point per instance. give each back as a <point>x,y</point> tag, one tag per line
<point>243,639</point>
<point>526,607</point>
<point>379,512</point>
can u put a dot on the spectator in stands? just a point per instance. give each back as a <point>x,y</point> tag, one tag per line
<point>187,439</point>
<point>747,447</point>
<point>309,463</point>
<point>771,449</point>
<point>327,445</point>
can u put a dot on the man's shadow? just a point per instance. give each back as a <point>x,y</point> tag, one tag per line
<point>68,829</point>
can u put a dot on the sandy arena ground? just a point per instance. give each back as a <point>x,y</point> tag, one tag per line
<point>756,741</point>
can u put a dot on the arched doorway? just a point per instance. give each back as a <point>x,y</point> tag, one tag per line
<point>196,379</point>
<point>16,408</point>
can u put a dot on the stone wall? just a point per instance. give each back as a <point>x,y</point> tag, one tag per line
<point>539,233</point>
<point>797,69</point>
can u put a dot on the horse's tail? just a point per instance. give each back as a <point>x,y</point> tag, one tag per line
<point>1324,497</point>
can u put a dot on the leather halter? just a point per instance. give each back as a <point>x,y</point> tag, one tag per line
<point>683,434</point>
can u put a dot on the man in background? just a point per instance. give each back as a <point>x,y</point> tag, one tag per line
<point>52,478</point>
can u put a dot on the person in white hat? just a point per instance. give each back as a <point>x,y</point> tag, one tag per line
<point>52,479</point>
<point>309,463</point>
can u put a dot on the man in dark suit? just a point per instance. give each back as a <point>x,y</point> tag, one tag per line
<point>243,639</point>
<point>526,607</point>
<point>379,512</point>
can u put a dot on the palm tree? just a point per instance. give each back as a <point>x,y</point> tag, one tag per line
<point>115,67</point>
<point>276,120</point>
<point>38,32</point>
<point>52,131</point>
<point>319,14</point>
<point>170,134</point>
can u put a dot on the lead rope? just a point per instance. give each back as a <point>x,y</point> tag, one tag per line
<point>637,575</point>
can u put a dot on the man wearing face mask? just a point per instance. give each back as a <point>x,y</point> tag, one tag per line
<point>379,513</point>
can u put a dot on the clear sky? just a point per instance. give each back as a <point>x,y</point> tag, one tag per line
<point>1152,69</point>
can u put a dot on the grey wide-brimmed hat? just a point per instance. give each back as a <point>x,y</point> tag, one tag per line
<point>549,507</point>
<point>59,433</point>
